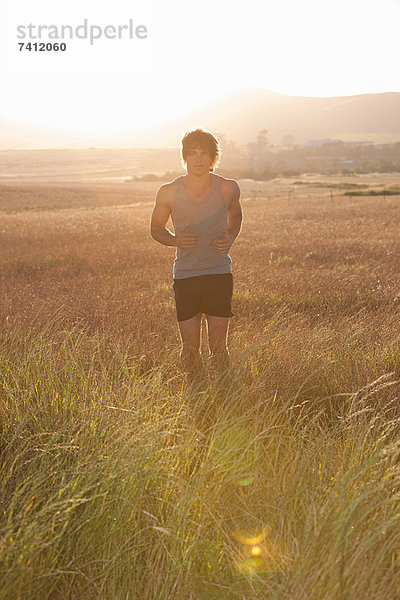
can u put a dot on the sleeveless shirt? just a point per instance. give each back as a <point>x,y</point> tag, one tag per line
<point>206,218</point>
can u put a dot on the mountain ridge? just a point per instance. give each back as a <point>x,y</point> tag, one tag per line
<point>239,117</point>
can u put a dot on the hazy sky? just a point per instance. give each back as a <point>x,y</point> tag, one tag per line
<point>194,52</point>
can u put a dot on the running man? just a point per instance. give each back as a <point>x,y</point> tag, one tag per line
<point>207,216</point>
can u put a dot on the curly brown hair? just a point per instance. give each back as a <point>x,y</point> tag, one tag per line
<point>201,138</point>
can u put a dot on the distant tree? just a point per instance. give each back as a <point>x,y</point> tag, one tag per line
<point>146,177</point>
<point>288,141</point>
<point>268,174</point>
<point>248,174</point>
<point>291,173</point>
<point>233,156</point>
<point>251,154</point>
<point>262,140</point>
<point>257,151</point>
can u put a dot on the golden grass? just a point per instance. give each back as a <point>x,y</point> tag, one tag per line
<point>278,481</point>
<point>332,266</point>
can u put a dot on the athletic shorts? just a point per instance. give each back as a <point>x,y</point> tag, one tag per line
<point>209,294</point>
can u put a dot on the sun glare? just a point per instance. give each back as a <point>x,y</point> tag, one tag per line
<point>309,48</point>
<point>256,551</point>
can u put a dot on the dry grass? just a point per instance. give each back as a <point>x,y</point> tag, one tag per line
<point>118,482</point>
<point>331,266</point>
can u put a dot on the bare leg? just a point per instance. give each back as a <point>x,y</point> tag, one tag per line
<point>217,334</point>
<point>190,353</point>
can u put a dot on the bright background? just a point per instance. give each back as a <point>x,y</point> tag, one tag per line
<point>196,53</point>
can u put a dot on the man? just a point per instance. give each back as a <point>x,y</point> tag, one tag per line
<point>207,216</point>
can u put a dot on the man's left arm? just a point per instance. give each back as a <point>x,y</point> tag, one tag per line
<point>234,218</point>
<point>234,213</point>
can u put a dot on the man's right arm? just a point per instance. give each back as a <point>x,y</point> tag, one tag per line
<point>159,219</point>
<point>160,216</point>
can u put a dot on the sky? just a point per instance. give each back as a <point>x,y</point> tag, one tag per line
<point>188,55</point>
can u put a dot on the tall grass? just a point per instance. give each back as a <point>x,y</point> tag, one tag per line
<point>123,483</point>
<point>278,480</point>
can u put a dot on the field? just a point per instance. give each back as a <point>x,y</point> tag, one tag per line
<point>84,165</point>
<point>280,480</point>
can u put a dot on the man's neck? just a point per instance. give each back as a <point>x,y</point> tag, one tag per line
<point>196,182</point>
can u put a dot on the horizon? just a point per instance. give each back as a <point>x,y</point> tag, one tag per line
<point>239,117</point>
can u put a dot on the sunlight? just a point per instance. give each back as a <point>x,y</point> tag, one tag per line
<point>253,540</point>
<point>256,550</point>
<point>309,49</point>
<point>258,553</point>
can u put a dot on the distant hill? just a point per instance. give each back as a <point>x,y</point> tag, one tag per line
<point>366,117</point>
<point>369,117</point>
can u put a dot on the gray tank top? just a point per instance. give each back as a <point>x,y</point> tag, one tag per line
<point>206,218</point>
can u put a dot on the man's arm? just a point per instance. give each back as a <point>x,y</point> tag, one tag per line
<point>234,212</point>
<point>234,217</point>
<point>159,219</point>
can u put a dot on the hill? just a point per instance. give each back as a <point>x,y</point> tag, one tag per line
<point>240,116</point>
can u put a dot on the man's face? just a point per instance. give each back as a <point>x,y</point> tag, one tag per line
<point>198,161</point>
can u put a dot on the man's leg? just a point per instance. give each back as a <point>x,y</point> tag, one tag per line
<point>190,353</point>
<point>217,334</point>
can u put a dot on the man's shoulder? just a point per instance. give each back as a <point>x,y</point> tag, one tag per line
<point>230,187</point>
<point>170,186</point>
<point>166,191</point>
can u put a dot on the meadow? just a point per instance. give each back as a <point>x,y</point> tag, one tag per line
<point>279,480</point>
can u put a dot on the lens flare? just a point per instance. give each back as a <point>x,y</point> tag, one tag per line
<point>245,482</point>
<point>254,540</point>
<point>260,554</point>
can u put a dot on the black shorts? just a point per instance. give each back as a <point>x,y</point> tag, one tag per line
<point>209,294</point>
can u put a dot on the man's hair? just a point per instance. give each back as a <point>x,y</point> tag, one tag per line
<point>201,138</point>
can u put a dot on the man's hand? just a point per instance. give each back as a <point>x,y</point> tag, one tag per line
<point>225,244</point>
<point>185,239</point>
